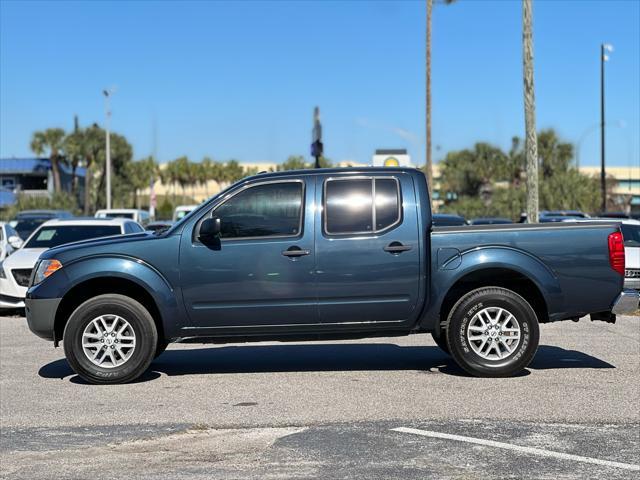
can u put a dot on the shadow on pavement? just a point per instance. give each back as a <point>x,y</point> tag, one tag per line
<point>323,357</point>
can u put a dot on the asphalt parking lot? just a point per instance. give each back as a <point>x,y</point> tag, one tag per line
<point>383,408</point>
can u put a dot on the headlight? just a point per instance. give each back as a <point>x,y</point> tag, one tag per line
<point>44,269</point>
<point>2,275</point>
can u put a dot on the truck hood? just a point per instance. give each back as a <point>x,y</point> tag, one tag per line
<point>84,247</point>
<point>23,258</point>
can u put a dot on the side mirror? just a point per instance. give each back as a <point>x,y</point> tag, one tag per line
<point>210,229</point>
<point>15,241</point>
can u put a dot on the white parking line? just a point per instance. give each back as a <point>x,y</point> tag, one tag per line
<point>517,448</point>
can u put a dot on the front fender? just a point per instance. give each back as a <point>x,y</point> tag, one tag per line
<point>115,266</point>
<point>491,257</point>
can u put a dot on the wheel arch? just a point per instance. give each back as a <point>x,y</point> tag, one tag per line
<point>87,289</point>
<point>499,266</point>
<point>90,277</point>
<point>495,277</point>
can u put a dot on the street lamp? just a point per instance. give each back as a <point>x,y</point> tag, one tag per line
<point>605,48</point>
<point>107,96</point>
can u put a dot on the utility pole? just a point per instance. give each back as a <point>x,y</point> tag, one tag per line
<point>316,137</point>
<point>107,96</point>
<point>605,47</point>
<point>428,95</point>
<point>531,143</point>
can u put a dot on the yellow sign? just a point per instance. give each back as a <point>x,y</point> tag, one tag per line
<point>391,162</point>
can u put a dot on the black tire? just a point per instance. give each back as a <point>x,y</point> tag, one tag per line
<point>441,340</point>
<point>160,348</point>
<point>146,339</point>
<point>463,313</point>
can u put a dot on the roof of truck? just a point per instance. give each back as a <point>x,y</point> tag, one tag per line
<point>324,171</point>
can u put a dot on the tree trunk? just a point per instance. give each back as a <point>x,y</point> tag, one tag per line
<point>55,171</point>
<point>428,105</point>
<point>87,190</point>
<point>74,178</point>
<point>531,146</point>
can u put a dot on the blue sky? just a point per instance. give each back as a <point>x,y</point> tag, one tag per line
<point>240,80</point>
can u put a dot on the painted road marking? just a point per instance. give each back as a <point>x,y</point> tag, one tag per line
<point>518,448</point>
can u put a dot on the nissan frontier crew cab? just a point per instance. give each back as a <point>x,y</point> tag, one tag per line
<point>324,254</point>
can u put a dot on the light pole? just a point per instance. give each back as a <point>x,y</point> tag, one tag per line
<point>107,96</point>
<point>604,48</point>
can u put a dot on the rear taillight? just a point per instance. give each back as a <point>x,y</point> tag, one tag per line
<point>616,252</point>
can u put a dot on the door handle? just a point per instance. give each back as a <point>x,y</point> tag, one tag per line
<point>294,252</point>
<point>396,247</point>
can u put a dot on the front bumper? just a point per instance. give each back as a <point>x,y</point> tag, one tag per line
<point>7,301</point>
<point>626,303</point>
<point>12,295</point>
<point>41,316</point>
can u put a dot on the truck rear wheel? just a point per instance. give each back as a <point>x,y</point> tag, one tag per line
<point>110,339</point>
<point>493,332</point>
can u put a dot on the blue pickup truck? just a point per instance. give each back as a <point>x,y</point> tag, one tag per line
<point>324,254</point>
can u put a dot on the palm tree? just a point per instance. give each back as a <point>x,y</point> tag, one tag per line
<point>207,173</point>
<point>140,174</point>
<point>180,172</point>
<point>51,140</point>
<point>531,142</point>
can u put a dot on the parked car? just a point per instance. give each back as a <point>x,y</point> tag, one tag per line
<point>262,261</point>
<point>182,211</point>
<point>447,220</point>
<point>9,240</point>
<point>15,270</point>
<point>551,216</point>
<point>631,234</point>
<point>490,221</point>
<point>28,220</point>
<point>159,226</point>
<point>140,216</point>
<point>620,215</point>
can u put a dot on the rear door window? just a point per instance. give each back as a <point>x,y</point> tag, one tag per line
<point>361,205</point>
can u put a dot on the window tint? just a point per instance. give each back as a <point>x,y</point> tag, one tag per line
<point>273,209</point>
<point>387,203</point>
<point>349,205</point>
<point>49,237</point>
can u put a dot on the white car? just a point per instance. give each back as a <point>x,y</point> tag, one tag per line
<point>631,235</point>
<point>140,216</point>
<point>10,241</point>
<point>15,270</point>
<point>182,211</point>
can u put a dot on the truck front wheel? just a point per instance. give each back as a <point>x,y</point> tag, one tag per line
<point>110,339</point>
<point>493,332</point>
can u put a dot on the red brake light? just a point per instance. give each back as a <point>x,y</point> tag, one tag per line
<point>616,252</point>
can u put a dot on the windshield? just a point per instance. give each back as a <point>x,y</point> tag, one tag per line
<point>631,235</point>
<point>27,226</point>
<point>49,237</point>
<point>117,215</point>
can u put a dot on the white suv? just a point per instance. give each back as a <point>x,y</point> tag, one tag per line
<point>15,270</point>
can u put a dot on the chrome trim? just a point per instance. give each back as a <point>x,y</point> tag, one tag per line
<point>627,302</point>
